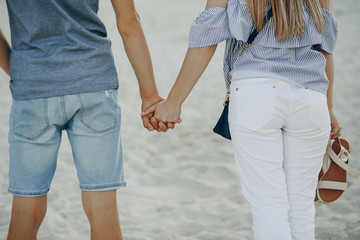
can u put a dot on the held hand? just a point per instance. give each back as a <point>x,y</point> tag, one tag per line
<point>161,126</point>
<point>335,128</point>
<point>146,104</point>
<point>165,116</point>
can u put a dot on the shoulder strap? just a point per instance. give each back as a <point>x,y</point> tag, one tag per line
<point>248,43</point>
<point>256,32</point>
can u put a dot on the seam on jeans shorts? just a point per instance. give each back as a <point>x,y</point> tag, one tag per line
<point>100,186</point>
<point>29,193</point>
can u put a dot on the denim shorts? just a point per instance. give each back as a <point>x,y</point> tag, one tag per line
<point>92,123</point>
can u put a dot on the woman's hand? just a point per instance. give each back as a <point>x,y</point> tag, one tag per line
<point>165,115</point>
<point>335,128</point>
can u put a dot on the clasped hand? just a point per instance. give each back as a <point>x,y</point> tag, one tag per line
<point>161,116</point>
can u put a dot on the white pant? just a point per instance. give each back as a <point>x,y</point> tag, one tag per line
<point>279,132</point>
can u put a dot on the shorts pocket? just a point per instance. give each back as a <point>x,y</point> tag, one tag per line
<point>30,119</point>
<point>252,105</point>
<point>319,110</point>
<point>99,111</point>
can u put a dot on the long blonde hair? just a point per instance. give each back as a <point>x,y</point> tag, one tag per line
<point>288,15</point>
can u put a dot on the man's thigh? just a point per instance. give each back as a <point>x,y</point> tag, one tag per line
<point>34,143</point>
<point>94,134</point>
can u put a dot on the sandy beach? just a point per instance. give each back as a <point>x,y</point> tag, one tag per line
<point>184,185</point>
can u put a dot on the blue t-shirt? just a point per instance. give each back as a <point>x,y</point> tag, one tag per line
<point>59,47</point>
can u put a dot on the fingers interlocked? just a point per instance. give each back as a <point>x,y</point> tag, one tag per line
<point>160,117</point>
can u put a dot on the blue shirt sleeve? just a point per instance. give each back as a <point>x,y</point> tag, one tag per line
<point>209,28</point>
<point>330,32</point>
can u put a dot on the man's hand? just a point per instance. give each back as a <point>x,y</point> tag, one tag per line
<point>146,104</point>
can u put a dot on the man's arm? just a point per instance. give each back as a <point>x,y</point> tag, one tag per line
<point>130,29</point>
<point>4,53</point>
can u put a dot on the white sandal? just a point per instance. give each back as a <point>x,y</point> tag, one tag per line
<point>332,177</point>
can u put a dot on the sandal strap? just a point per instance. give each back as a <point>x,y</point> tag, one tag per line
<point>325,165</point>
<point>342,164</point>
<point>332,185</point>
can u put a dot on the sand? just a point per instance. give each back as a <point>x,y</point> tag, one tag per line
<point>184,184</point>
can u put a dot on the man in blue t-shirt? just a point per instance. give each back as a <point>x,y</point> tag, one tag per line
<point>63,77</point>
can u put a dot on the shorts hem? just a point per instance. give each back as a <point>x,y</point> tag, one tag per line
<point>28,193</point>
<point>102,187</point>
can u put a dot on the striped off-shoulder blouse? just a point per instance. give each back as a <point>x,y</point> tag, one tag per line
<point>293,60</point>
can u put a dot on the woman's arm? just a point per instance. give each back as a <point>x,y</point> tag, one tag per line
<point>4,53</point>
<point>335,128</point>
<point>195,63</point>
<point>130,29</point>
<point>329,70</point>
<point>327,48</point>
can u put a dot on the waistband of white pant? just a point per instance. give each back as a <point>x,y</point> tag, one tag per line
<point>270,81</point>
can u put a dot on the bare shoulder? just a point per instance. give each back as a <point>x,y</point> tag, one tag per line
<point>327,4</point>
<point>216,3</point>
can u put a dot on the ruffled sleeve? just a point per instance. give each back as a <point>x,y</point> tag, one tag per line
<point>209,28</point>
<point>240,21</point>
<point>330,33</point>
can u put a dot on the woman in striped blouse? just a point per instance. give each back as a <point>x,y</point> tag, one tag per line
<point>280,111</point>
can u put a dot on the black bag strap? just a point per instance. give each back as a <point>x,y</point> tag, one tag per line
<point>246,45</point>
<point>256,32</point>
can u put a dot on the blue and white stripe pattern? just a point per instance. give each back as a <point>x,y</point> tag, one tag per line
<point>291,60</point>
